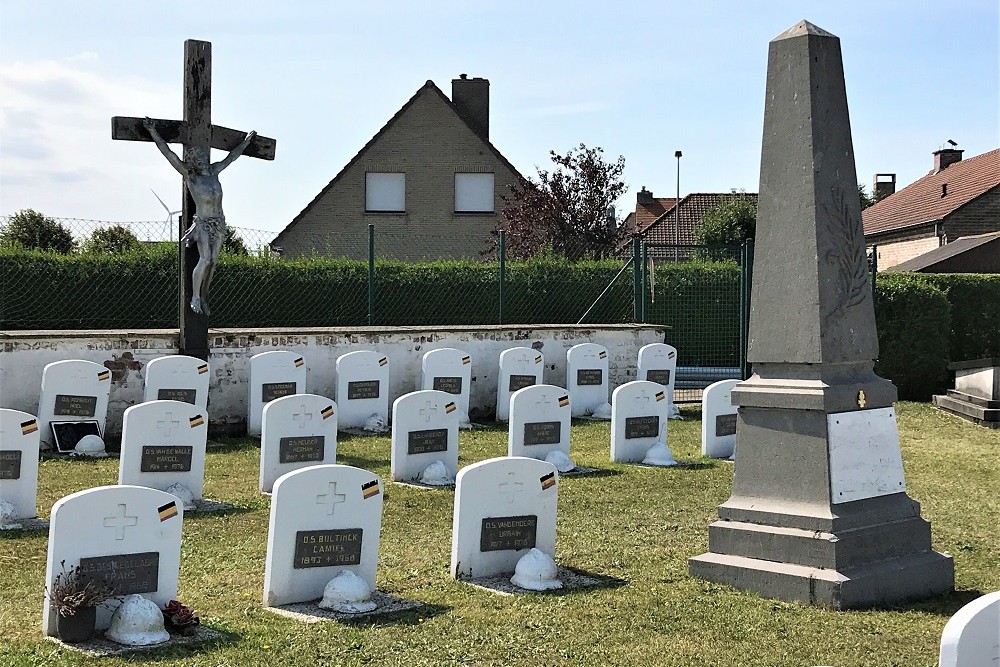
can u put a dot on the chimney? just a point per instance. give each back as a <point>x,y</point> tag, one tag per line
<point>471,98</point>
<point>644,196</point>
<point>883,186</point>
<point>945,157</point>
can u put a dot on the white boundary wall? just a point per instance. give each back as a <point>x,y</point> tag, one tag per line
<point>24,354</point>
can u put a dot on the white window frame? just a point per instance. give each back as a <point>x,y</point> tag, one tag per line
<point>472,190</point>
<point>385,192</point>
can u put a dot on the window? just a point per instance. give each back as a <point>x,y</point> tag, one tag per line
<point>474,193</point>
<point>385,192</point>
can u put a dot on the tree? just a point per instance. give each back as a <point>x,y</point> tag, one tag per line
<point>233,244</point>
<point>31,229</point>
<point>569,210</point>
<point>112,240</point>
<point>731,221</point>
<point>867,199</point>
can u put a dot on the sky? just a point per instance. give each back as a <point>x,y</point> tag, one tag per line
<point>638,79</point>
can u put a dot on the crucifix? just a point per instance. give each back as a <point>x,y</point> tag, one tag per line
<point>198,136</point>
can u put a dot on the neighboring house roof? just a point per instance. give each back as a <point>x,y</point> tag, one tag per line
<point>685,216</point>
<point>957,247</point>
<point>429,87</point>
<point>638,221</point>
<point>935,196</point>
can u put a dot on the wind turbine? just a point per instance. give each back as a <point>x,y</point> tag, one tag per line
<point>170,216</point>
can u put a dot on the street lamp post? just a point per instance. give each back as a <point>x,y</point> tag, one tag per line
<point>677,209</point>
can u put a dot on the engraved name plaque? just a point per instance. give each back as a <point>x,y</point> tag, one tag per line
<point>429,440</point>
<point>272,390</point>
<point>520,382</point>
<point>661,375</point>
<point>165,458</point>
<point>542,433</point>
<point>642,427</point>
<point>299,449</point>
<point>506,533</point>
<point>182,395</point>
<point>362,389</point>
<point>725,425</point>
<point>589,376</point>
<point>451,385</point>
<point>75,406</point>
<point>327,548</point>
<point>10,464</point>
<point>125,573</point>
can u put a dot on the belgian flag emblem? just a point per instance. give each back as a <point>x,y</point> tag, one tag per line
<point>660,396</point>
<point>197,420</point>
<point>299,362</point>
<point>466,360</point>
<point>103,375</point>
<point>548,481</point>
<point>167,511</point>
<point>538,359</point>
<point>202,369</point>
<point>327,412</point>
<point>29,426</point>
<point>451,407</point>
<point>370,489</point>
<point>563,401</point>
<point>604,355</point>
<point>383,361</point>
<point>671,355</point>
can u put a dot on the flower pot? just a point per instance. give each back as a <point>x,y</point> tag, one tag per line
<point>79,627</point>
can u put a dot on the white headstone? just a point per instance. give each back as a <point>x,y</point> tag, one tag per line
<point>19,461</point>
<point>972,636</point>
<point>324,520</point>
<point>718,420</point>
<point>163,443</point>
<point>503,507</point>
<point>424,430</point>
<point>539,422</point>
<point>72,390</point>
<point>297,432</point>
<point>128,535</point>
<point>520,367</point>
<point>658,363</point>
<point>273,375</point>
<point>639,412</point>
<point>450,370</point>
<point>177,378</point>
<point>363,389</point>
<point>587,377</point>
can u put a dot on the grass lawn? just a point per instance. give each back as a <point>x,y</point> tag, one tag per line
<point>636,524</point>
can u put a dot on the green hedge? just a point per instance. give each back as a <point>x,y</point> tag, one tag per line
<point>975,313</point>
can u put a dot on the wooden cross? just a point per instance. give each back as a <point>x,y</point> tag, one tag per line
<point>194,132</point>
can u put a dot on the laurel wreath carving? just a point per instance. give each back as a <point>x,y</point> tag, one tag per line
<point>846,236</point>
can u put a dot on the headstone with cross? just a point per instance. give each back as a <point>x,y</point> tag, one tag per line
<point>424,432</point>
<point>503,507</point>
<point>587,371</point>
<point>72,390</point>
<point>539,422</point>
<point>128,536</point>
<point>520,367</point>
<point>639,412</point>
<point>450,370</point>
<point>163,445</point>
<point>814,402</point>
<point>177,378</point>
<point>324,519</point>
<point>274,374</point>
<point>18,463</point>
<point>197,134</point>
<point>657,362</point>
<point>297,431</point>
<point>363,390</point>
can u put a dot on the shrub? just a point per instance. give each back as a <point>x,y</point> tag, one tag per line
<point>34,231</point>
<point>975,313</point>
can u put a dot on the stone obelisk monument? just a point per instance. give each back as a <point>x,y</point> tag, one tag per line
<point>819,510</point>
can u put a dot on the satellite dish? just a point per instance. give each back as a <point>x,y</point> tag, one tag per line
<point>169,231</point>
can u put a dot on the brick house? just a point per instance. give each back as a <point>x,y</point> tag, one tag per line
<point>958,198</point>
<point>665,221</point>
<point>429,180</point>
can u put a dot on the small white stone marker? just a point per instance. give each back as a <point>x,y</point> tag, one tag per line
<point>424,432</point>
<point>718,420</point>
<point>273,375</point>
<point>18,465</point>
<point>128,535</point>
<point>163,445</point>
<point>363,390</point>
<point>972,636</point>
<point>587,378</point>
<point>297,432</point>
<point>540,423</point>
<point>72,390</point>
<point>639,411</point>
<point>520,367</point>
<point>658,363</point>
<point>503,507</point>
<point>177,378</point>
<point>325,520</point>
<point>450,370</point>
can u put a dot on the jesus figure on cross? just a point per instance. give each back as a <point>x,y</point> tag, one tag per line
<point>208,228</point>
